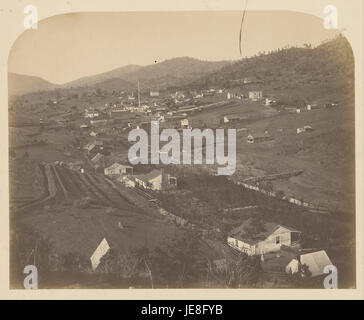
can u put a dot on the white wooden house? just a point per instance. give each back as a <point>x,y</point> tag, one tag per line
<point>156,180</point>
<point>154,93</point>
<point>260,237</point>
<point>118,169</point>
<point>255,95</point>
<point>184,124</point>
<point>151,180</point>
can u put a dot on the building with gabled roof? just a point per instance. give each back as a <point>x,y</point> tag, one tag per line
<point>156,180</point>
<point>315,261</point>
<point>151,180</point>
<point>255,237</point>
<point>117,169</point>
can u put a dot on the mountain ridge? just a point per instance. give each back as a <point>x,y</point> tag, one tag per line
<point>99,77</point>
<point>278,70</point>
<point>174,71</point>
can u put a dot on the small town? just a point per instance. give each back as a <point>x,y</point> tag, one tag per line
<point>89,217</point>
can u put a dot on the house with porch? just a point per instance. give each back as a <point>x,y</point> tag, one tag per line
<point>256,237</point>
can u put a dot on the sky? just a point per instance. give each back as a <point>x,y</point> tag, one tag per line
<point>69,46</point>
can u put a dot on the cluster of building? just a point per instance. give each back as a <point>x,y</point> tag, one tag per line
<point>277,245</point>
<point>156,179</point>
<point>95,153</point>
<point>172,109</point>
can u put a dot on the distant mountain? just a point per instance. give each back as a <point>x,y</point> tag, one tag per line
<point>174,71</point>
<point>105,76</point>
<point>292,72</point>
<point>19,84</point>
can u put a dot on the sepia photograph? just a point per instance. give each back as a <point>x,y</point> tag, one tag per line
<point>182,150</point>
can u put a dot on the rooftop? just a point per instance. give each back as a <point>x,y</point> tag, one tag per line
<point>316,262</point>
<point>149,176</point>
<point>253,230</point>
<point>117,165</point>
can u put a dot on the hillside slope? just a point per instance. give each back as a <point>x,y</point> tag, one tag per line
<point>94,79</point>
<point>306,73</point>
<point>19,84</point>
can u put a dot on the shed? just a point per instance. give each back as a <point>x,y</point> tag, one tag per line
<point>315,261</point>
<point>100,251</point>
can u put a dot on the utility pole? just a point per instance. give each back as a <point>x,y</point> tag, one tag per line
<point>138,95</point>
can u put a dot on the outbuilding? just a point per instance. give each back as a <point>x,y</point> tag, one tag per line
<point>315,261</point>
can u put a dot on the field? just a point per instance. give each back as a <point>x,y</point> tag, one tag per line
<point>73,212</point>
<point>324,155</point>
